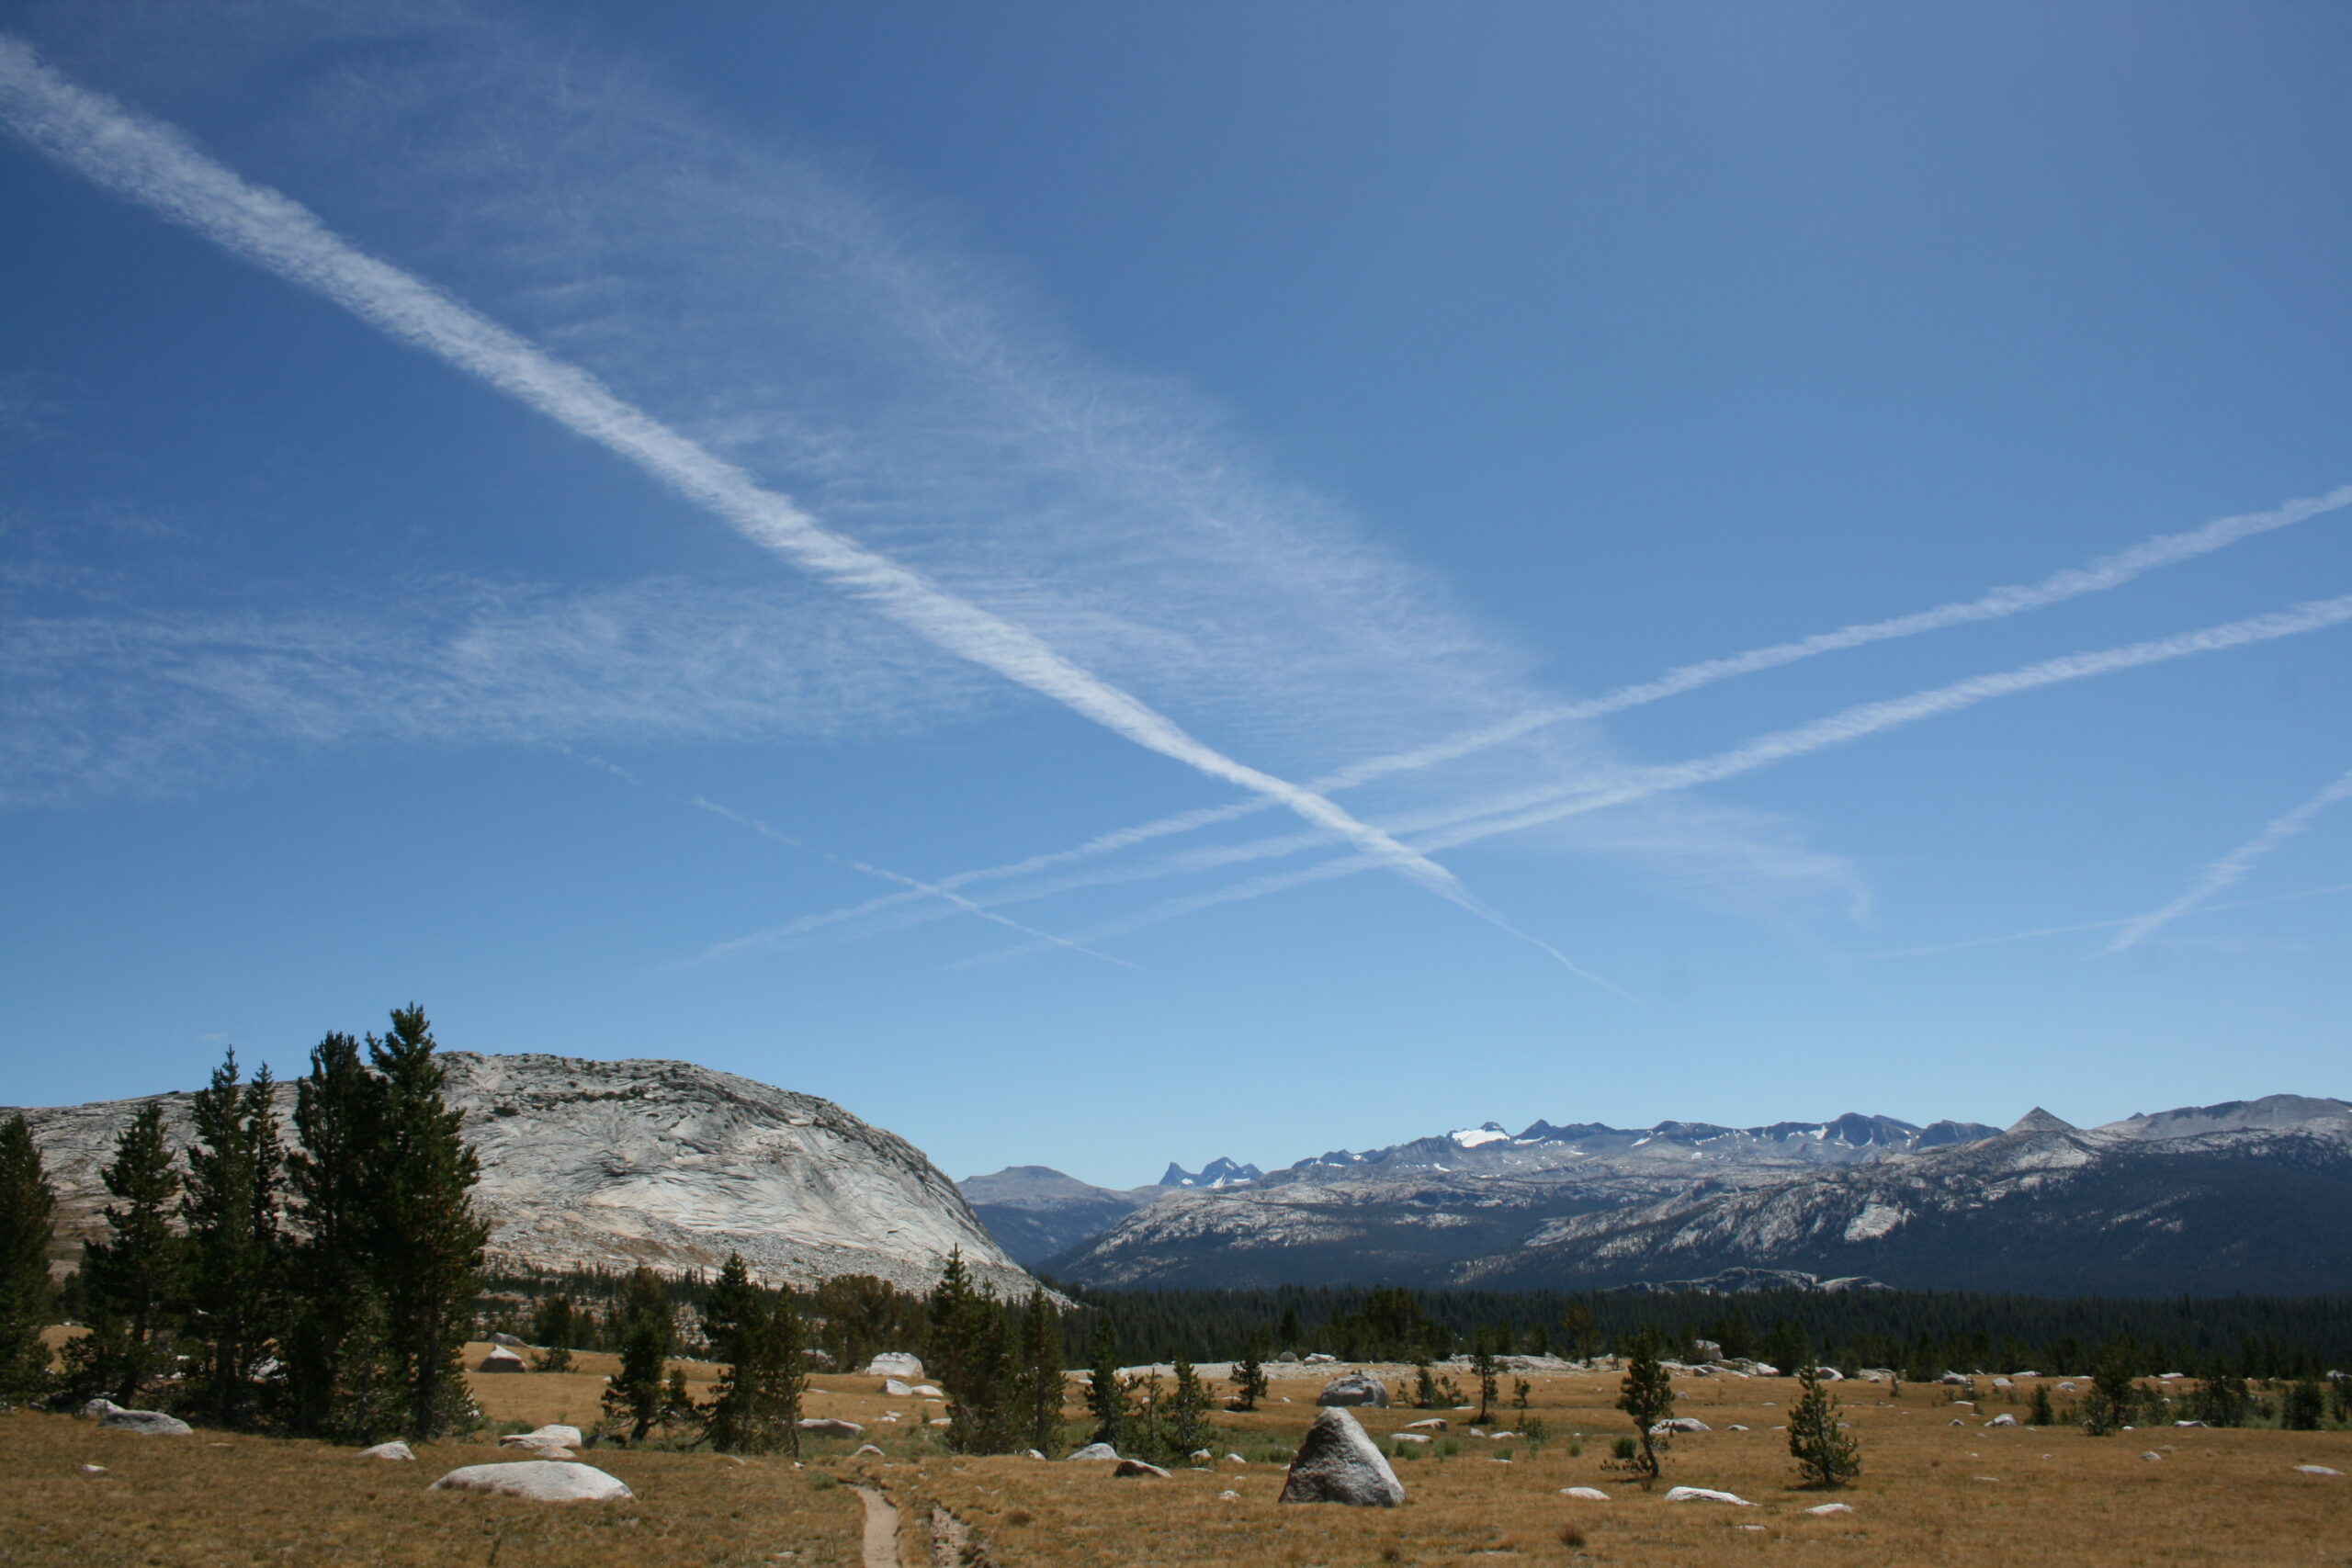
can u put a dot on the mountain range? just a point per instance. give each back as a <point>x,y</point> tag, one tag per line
<point>2250,1195</point>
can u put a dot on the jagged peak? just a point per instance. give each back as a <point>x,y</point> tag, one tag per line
<point>2040,1121</point>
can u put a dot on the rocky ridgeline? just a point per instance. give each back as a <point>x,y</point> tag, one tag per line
<point>615,1164</point>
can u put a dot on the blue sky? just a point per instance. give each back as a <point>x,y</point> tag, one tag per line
<point>1243,403</point>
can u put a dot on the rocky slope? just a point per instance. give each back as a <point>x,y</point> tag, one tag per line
<point>2217,1198</point>
<point>2253,1196</point>
<point>615,1164</point>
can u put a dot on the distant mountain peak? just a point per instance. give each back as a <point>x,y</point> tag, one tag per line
<point>2040,1121</point>
<point>1220,1172</point>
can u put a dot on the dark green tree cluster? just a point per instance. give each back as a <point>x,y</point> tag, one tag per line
<point>556,1330</point>
<point>385,1275</point>
<point>2115,1391</point>
<point>1000,1365</point>
<point>756,1407</point>
<point>327,1291</point>
<point>27,1209</point>
<point>639,1396</point>
<point>854,1316</point>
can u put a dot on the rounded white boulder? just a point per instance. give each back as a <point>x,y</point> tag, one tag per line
<point>539,1479</point>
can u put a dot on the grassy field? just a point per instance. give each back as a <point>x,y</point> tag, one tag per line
<point>1930,1494</point>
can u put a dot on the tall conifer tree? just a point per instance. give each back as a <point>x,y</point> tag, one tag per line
<point>28,1206</point>
<point>336,1382</point>
<point>236,1243</point>
<point>428,1238</point>
<point>634,1395</point>
<point>131,1281</point>
<point>1042,1385</point>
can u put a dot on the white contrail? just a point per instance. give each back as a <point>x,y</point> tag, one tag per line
<point>1850,724</point>
<point>2231,867</point>
<point>158,166</point>
<point>777,835</point>
<point>1942,947</point>
<point>2096,576</point>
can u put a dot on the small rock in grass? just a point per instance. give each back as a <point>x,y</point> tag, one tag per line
<point>893,1388</point>
<point>1589,1494</point>
<point>388,1450</point>
<point>927,1390</point>
<point>828,1426</point>
<point>1435,1424</point>
<point>1356,1388</point>
<point>1228,1496</point>
<point>1706,1495</point>
<point>93,1470</point>
<point>501,1359</point>
<point>1030,1453</point>
<point>1237,1459</point>
<point>1410,1436</point>
<point>2317,1470</point>
<point>1093,1451</point>
<point>1826,1509</point>
<point>2002,1421</point>
<point>1680,1424</point>
<point>1735,1427</point>
<point>539,1479</point>
<point>2152,1454</point>
<point>1138,1467</point>
<point>865,1448</point>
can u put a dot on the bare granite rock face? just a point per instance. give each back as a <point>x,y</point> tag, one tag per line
<point>615,1164</point>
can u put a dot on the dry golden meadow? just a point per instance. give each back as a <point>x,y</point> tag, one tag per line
<point>1930,1494</point>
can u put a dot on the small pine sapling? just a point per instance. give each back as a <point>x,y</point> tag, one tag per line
<point>1646,1395</point>
<point>1826,1453</point>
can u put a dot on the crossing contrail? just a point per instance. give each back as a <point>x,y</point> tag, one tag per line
<point>2231,867</point>
<point>1534,809</point>
<point>2095,576</point>
<point>777,835</point>
<point>1942,947</point>
<point>158,167</point>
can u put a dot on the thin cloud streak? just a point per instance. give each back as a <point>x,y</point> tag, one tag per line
<point>158,166</point>
<point>2096,576</point>
<point>777,835</point>
<point>1837,729</point>
<point>2103,925</point>
<point>2232,867</point>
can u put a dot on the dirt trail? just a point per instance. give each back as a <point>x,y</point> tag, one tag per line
<point>881,1540</point>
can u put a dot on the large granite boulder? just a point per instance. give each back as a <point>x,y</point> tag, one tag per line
<point>396,1450</point>
<point>153,1423</point>
<point>499,1359</point>
<point>1356,1388</point>
<point>1092,1452</point>
<point>1339,1462</point>
<point>539,1479</point>
<point>829,1427</point>
<point>895,1364</point>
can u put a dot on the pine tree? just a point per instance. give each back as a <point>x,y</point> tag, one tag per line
<point>1826,1453</point>
<point>334,1349</point>
<point>1188,1409</point>
<point>756,1407</point>
<point>131,1281</point>
<point>2114,1391</point>
<point>1786,1346</point>
<point>1646,1395</point>
<point>27,1208</point>
<point>1580,1329</point>
<point>2304,1406</point>
<point>1290,1333</point>
<point>1042,1385</point>
<point>971,1357</point>
<point>1425,1396</point>
<point>428,1239</point>
<point>1249,1376</point>
<point>1481,1366</point>
<point>2040,1415</point>
<point>554,1328</point>
<point>236,1246</point>
<point>634,1395</point>
<point>1106,1399</point>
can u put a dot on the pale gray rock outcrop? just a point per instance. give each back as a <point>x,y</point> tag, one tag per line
<point>895,1364</point>
<point>1093,1451</point>
<point>1706,1495</point>
<point>499,1359</point>
<point>1356,1388</point>
<point>610,1165</point>
<point>1339,1462</point>
<point>392,1450</point>
<point>539,1479</point>
<point>830,1426</point>
<point>151,1423</point>
<point>1138,1467</point>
